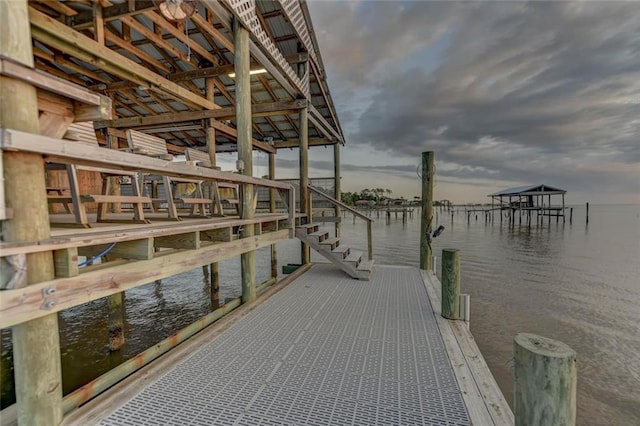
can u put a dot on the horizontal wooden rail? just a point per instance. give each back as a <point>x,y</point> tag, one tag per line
<point>339,203</point>
<point>70,152</point>
<point>41,299</point>
<point>98,237</point>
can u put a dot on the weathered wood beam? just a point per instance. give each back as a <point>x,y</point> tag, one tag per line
<point>179,35</point>
<point>257,110</point>
<point>294,143</point>
<point>230,131</point>
<point>126,45</point>
<point>63,151</point>
<point>51,32</point>
<point>84,20</point>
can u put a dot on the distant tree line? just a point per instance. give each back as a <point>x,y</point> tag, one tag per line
<point>373,194</point>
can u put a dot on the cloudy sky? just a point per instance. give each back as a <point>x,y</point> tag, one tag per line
<point>505,93</point>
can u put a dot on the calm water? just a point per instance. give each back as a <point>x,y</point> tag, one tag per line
<point>575,283</point>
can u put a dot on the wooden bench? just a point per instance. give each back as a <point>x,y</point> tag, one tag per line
<point>85,133</point>
<point>222,192</point>
<point>142,143</point>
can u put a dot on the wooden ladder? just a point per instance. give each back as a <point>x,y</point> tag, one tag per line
<point>346,259</point>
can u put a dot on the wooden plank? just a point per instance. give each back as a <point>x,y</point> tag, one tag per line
<point>189,240</point>
<point>257,110</point>
<point>20,305</point>
<point>294,143</point>
<point>55,85</point>
<point>482,396</point>
<point>126,233</point>
<point>66,262</point>
<point>84,20</point>
<point>51,32</point>
<point>221,235</point>
<point>59,150</point>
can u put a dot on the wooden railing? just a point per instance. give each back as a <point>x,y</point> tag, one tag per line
<point>349,209</point>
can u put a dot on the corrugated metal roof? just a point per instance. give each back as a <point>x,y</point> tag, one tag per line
<point>527,190</point>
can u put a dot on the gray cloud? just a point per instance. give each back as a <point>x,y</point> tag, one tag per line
<point>529,92</point>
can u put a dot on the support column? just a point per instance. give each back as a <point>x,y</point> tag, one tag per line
<point>305,206</point>
<point>211,149</point>
<point>272,209</point>
<point>338,185</point>
<point>242,60</point>
<point>36,344</point>
<point>427,209</point>
<point>115,303</point>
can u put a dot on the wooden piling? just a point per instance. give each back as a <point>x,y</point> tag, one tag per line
<point>272,209</point>
<point>245,146</point>
<point>428,174</point>
<point>215,285</point>
<point>116,310</point>
<point>450,275</point>
<point>587,213</point>
<point>36,345</point>
<point>305,206</point>
<point>571,215</point>
<point>545,381</point>
<point>337,185</point>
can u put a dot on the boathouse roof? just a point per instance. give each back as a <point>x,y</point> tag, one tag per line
<point>529,190</point>
<point>197,55</point>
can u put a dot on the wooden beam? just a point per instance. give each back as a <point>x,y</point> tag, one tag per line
<point>64,151</point>
<point>126,45</point>
<point>294,143</point>
<point>55,34</point>
<point>230,131</point>
<point>84,20</point>
<point>169,27</point>
<point>257,110</point>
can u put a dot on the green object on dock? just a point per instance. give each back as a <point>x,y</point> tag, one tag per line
<point>451,284</point>
<point>290,268</point>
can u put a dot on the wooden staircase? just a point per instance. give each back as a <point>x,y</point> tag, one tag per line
<point>346,259</point>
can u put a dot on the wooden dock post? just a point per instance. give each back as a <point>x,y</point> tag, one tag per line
<point>587,213</point>
<point>116,309</point>
<point>427,209</point>
<point>36,344</point>
<point>245,146</point>
<point>571,215</point>
<point>272,209</point>
<point>337,186</point>
<point>215,285</point>
<point>545,381</point>
<point>450,276</point>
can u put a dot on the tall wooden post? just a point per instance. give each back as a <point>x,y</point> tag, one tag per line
<point>337,185</point>
<point>243,120</point>
<point>545,381</point>
<point>211,149</point>
<point>428,175</point>
<point>305,206</point>
<point>36,344</point>
<point>450,275</point>
<point>272,209</point>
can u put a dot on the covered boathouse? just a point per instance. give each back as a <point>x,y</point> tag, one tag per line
<point>97,99</point>
<point>528,199</point>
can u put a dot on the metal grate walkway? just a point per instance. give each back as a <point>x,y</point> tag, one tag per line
<point>327,349</point>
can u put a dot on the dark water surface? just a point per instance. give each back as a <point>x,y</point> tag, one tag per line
<point>576,283</point>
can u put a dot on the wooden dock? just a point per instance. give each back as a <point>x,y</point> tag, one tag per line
<point>320,349</point>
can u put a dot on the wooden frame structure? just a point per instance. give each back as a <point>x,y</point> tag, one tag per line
<point>531,198</point>
<point>235,76</point>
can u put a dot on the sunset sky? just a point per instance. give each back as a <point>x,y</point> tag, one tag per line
<point>505,93</point>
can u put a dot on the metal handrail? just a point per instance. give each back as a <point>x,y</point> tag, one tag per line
<point>353,211</point>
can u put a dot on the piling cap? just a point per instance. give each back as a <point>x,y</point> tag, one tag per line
<point>544,346</point>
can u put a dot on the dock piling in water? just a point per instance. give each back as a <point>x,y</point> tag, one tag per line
<point>427,209</point>
<point>545,381</point>
<point>450,276</point>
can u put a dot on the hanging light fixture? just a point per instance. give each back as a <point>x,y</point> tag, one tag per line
<point>176,10</point>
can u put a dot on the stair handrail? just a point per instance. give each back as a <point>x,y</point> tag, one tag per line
<point>353,211</point>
